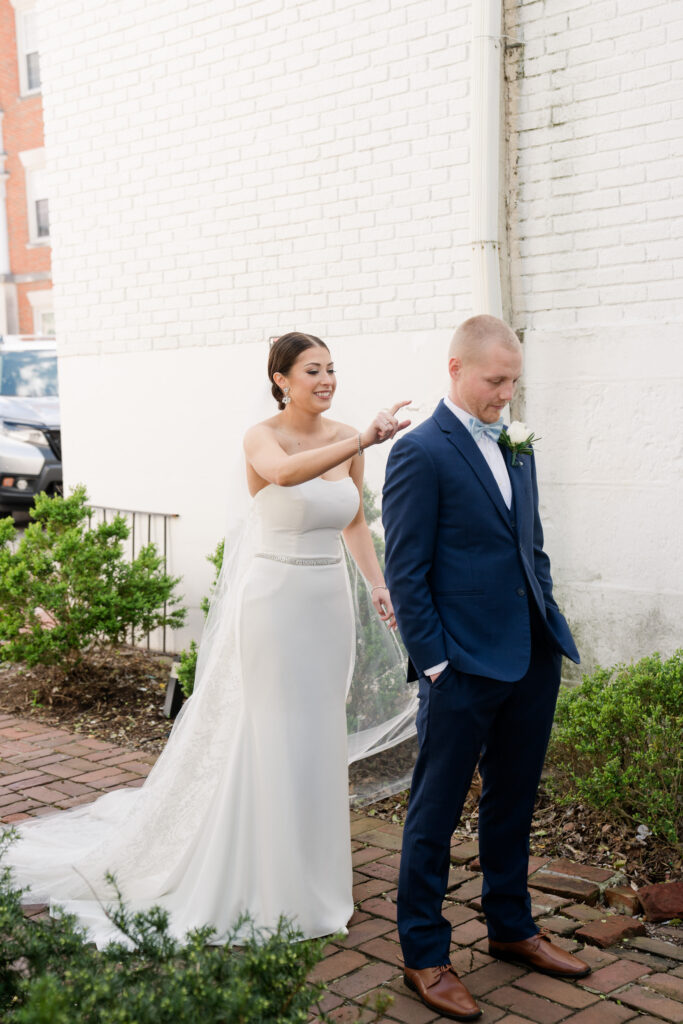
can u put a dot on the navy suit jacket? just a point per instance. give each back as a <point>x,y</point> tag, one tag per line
<point>462,567</point>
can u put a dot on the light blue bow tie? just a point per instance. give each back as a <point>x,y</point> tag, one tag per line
<point>478,428</point>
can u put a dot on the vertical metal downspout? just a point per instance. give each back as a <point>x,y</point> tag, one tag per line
<point>485,155</point>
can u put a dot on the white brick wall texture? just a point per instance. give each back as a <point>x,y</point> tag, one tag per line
<point>596,157</point>
<point>221,176</point>
<point>225,174</point>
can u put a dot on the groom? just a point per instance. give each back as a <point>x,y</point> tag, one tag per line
<point>471,587</point>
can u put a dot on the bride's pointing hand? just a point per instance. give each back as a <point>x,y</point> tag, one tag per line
<point>384,426</point>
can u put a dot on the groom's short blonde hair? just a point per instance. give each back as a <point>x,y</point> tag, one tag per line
<point>475,335</point>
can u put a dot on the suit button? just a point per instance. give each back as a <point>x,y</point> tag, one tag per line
<point>521,592</point>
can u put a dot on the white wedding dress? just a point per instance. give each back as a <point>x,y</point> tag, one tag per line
<point>246,809</point>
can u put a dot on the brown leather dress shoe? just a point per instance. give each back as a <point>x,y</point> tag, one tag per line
<point>539,953</point>
<point>440,989</point>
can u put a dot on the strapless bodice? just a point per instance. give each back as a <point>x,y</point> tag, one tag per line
<point>306,519</point>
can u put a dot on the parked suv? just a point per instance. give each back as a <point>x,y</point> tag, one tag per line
<point>30,440</point>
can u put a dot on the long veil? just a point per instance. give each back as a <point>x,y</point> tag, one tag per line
<point>146,836</point>
<point>380,705</point>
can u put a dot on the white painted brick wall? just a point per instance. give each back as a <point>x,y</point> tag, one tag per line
<point>597,219</point>
<point>256,168</point>
<point>222,175</point>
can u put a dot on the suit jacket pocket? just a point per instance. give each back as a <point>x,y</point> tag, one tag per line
<point>443,677</point>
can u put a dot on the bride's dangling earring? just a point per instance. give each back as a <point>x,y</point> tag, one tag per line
<point>286,400</point>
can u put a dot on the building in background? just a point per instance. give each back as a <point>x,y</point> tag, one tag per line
<point>222,173</point>
<point>25,253</point>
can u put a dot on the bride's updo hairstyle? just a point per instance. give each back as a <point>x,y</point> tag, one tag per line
<point>284,353</point>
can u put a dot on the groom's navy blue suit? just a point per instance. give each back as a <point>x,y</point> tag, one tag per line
<point>471,585</point>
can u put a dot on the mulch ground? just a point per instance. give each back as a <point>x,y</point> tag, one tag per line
<point>119,698</point>
<point>576,833</point>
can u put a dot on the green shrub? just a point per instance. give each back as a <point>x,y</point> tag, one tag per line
<point>187,668</point>
<point>50,974</point>
<point>80,577</point>
<point>616,744</point>
<point>188,658</point>
<point>216,559</point>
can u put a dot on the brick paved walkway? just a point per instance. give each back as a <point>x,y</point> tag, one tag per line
<point>640,979</point>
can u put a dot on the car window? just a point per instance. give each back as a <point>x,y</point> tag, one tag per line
<point>29,374</point>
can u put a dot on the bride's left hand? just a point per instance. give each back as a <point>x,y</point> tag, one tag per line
<point>384,607</point>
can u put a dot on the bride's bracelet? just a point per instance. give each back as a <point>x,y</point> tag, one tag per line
<point>360,446</point>
<point>380,586</point>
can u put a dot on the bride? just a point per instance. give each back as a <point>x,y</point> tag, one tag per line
<point>246,809</point>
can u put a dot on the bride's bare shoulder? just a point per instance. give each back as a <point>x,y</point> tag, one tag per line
<point>259,431</point>
<point>341,430</point>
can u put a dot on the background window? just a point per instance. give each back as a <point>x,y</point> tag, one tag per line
<point>27,48</point>
<point>43,311</point>
<point>42,219</point>
<point>36,195</point>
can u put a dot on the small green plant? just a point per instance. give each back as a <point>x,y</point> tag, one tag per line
<point>51,974</point>
<point>187,668</point>
<point>216,559</point>
<point>66,586</point>
<point>616,744</point>
<point>188,658</point>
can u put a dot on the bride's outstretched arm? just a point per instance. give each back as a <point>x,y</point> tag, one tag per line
<point>272,463</point>
<point>359,542</point>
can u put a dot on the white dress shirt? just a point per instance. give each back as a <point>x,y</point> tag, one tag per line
<point>496,463</point>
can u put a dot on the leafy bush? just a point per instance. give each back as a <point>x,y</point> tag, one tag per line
<point>187,668</point>
<point>79,576</point>
<point>50,974</point>
<point>188,658</point>
<point>617,740</point>
<point>216,559</point>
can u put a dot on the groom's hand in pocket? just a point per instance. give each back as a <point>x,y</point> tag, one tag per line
<point>439,671</point>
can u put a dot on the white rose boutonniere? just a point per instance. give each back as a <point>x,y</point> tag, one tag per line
<point>519,439</point>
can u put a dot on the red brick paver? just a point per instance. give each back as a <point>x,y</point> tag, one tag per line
<point>565,885</point>
<point>609,930</point>
<point>605,1013</point>
<point>640,981</point>
<point>641,998</point>
<point>615,976</point>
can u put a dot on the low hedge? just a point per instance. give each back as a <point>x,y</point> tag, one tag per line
<point>616,744</point>
<point>51,974</point>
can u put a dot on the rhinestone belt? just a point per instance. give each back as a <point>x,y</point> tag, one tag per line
<point>290,560</point>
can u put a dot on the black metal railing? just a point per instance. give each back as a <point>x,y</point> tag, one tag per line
<point>145,528</point>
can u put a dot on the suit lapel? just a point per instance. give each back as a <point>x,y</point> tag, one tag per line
<point>519,481</point>
<point>460,438</point>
